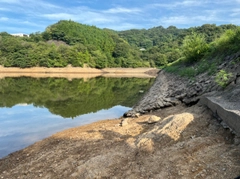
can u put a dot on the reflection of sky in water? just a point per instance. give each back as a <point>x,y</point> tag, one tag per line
<point>22,125</point>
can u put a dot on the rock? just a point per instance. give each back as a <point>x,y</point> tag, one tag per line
<point>181,96</point>
<point>225,126</point>
<point>190,101</point>
<point>137,115</point>
<point>236,140</point>
<point>198,87</point>
<point>124,122</point>
<point>130,113</point>
<point>160,103</point>
<point>153,119</point>
<point>171,90</point>
<point>146,144</point>
<point>237,80</point>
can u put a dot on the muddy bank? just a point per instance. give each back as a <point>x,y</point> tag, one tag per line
<point>184,143</point>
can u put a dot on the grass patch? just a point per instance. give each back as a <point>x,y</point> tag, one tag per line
<point>208,61</point>
<point>189,72</point>
<point>185,69</point>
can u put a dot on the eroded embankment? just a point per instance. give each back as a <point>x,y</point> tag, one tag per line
<point>171,90</point>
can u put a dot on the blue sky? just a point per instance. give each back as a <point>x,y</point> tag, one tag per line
<point>28,16</point>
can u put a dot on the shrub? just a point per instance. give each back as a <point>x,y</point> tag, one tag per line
<point>228,42</point>
<point>222,78</point>
<point>194,47</point>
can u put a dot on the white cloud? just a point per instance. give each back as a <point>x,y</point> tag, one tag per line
<point>167,21</point>
<point>87,17</point>
<point>4,19</point>
<point>4,9</point>
<point>117,15</point>
<point>122,10</point>
<point>192,3</point>
<point>57,16</point>
<point>26,6</point>
<point>235,12</point>
<point>124,26</point>
<point>234,21</point>
<point>41,4</point>
<point>10,1</point>
<point>185,3</point>
<point>185,20</point>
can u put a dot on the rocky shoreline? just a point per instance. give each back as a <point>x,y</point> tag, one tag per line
<point>171,90</point>
<point>168,134</point>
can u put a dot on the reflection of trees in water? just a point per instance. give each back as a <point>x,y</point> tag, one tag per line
<point>72,98</point>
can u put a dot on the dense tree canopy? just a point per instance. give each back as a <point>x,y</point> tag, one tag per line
<point>68,42</point>
<point>164,45</point>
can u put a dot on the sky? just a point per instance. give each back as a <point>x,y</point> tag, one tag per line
<point>30,16</point>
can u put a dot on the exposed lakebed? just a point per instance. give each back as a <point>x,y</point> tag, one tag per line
<point>32,109</point>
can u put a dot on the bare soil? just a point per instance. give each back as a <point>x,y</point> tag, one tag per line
<point>185,143</point>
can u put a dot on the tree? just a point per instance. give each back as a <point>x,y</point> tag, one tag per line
<point>194,47</point>
<point>121,50</point>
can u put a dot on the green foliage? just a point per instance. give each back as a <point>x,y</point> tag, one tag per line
<point>212,54</point>
<point>168,41</point>
<point>194,47</point>
<point>222,78</point>
<point>228,42</point>
<point>68,42</point>
<point>74,33</point>
<point>189,72</point>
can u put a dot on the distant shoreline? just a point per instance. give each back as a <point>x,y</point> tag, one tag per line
<point>77,72</point>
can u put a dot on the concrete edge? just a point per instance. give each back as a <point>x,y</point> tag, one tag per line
<point>229,117</point>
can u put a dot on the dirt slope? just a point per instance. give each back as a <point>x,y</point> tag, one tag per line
<point>185,143</point>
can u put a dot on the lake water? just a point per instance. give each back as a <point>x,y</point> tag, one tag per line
<point>32,109</point>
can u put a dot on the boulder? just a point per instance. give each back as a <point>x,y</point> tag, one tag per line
<point>153,119</point>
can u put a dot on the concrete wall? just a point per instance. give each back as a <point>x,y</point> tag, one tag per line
<point>230,117</point>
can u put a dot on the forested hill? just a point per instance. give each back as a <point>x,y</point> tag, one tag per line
<point>71,43</point>
<point>68,42</point>
<point>164,45</point>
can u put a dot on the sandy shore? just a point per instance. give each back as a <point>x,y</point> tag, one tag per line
<point>77,72</point>
<point>186,143</point>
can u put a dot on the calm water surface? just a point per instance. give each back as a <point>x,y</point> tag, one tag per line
<point>33,109</point>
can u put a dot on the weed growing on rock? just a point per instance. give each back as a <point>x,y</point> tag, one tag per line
<point>222,78</point>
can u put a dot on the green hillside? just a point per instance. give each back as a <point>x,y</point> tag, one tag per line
<point>200,56</point>
<point>71,43</point>
<point>164,45</point>
<point>68,42</point>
